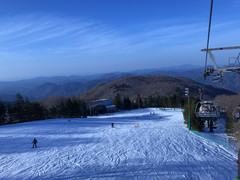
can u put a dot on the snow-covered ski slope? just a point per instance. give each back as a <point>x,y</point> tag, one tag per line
<point>160,148</point>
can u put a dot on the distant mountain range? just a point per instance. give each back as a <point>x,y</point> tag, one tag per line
<point>151,86</point>
<point>230,80</point>
<point>43,87</point>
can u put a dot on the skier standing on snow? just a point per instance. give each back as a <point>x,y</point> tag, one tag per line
<point>34,143</point>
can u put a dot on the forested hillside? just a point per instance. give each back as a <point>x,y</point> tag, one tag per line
<point>151,86</point>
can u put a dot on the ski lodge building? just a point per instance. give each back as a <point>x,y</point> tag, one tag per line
<point>101,106</point>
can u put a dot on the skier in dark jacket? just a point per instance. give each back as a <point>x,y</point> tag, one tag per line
<point>34,143</point>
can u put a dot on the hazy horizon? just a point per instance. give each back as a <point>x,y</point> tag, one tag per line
<point>173,68</point>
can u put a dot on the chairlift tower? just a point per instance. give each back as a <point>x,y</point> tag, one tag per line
<point>218,71</point>
<point>189,118</point>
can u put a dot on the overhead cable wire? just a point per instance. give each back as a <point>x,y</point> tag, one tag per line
<point>209,28</point>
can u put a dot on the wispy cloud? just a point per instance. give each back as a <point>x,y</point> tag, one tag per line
<point>44,34</point>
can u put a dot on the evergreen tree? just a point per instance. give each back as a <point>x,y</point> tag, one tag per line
<point>134,105</point>
<point>150,101</point>
<point>53,112</point>
<point>178,101</point>
<point>145,104</point>
<point>83,108</point>
<point>69,108</point>
<point>34,111</point>
<point>195,122</point>
<point>174,101</point>
<point>165,101</point>
<point>169,101</point>
<point>16,110</point>
<point>139,101</point>
<point>72,108</point>
<point>38,112</point>
<point>117,101</point>
<point>127,103</point>
<point>28,108</point>
<point>62,110</point>
<point>2,113</point>
<point>158,101</point>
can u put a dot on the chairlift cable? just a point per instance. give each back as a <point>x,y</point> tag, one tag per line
<point>209,28</point>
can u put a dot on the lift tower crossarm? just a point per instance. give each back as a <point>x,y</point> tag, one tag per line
<point>221,48</point>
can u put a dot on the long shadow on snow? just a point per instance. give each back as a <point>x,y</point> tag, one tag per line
<point>133,119</point>
<point>82,122</point>
<point>163,171</point>
<point>49,133</point>
<point>24,145</point>
<point>46,130</point>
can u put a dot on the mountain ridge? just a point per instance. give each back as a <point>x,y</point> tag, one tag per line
<point>42,87</point>
<point>150,86</point>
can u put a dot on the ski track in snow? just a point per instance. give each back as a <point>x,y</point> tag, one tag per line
<point>160,148</point>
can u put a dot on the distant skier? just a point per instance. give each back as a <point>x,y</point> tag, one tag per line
<point>34,143</point>
<point>112,125</point>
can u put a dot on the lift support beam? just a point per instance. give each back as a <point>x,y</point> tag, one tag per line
<point>221,48</point>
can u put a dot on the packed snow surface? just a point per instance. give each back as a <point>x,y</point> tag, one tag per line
<point>144,144</point>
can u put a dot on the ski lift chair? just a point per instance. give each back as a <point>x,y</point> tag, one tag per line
<point>233,64</point>
<point>207,112</point>
<point>217,77</point>
<point>206,109</point>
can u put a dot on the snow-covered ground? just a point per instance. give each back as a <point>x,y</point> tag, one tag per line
<point>142,145</point>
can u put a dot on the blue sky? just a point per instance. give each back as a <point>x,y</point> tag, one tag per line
<point>78,37</point>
